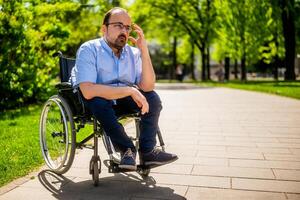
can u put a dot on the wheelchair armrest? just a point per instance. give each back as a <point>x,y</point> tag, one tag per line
<point>64,86</point>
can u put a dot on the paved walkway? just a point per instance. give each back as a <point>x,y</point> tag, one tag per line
<point>231,144</point>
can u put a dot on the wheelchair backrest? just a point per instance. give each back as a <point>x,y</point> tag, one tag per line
<point>71,95</point>
<point>66,65</point>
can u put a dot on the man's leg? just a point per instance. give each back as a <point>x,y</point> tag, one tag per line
<point>149,126</point>
<point>103,110</point>
<point>149,121</point>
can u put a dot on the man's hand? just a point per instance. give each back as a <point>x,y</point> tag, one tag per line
<point>140,100</point>
<point>140,41</point>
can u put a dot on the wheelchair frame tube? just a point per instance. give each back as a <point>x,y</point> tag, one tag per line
<point>138,132</point>
<point>161,142</point>
<point>95,138</point>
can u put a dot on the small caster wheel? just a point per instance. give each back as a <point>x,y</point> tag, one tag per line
<point>95,174</point>
<point>95,169</point>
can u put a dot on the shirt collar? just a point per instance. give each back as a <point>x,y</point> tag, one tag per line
<point>110,51</point>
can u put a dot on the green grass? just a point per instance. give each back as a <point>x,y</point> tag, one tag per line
<point>19,142</point>
<point>282,88</point>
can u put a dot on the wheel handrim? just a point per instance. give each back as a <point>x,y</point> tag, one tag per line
<point>54,134</point>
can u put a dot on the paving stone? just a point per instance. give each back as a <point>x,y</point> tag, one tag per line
<point>283,157</point>
<point>32,194</point>
<point>233,172</point>
<point>287,174</point>
<point>227,143</point>
<point>264,164</point>
<point>252,139</point>
<point>266,185</point>
<point>287,145</point>
<point>260,149</point>
<point>173,169</point>
<point>290,140</point>
<point>295,151</point>
<point>199,193</point>
<point>222,154</point>
<point>293,196</point>
<point>190,180</point>
<point>155,191</point>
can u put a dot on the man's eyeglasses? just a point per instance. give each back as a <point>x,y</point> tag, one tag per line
<point>120,26</point>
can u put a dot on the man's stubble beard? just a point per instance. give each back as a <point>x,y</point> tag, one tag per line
<point>119,43</point>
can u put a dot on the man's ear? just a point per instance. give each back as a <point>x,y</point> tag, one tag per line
<point>103,29</point>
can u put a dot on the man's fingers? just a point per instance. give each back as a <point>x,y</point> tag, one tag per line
<point>137,27</point>
<point>145,108</point>
<point>132,39</point>
<point>140,33</point>
<point>141,101</point>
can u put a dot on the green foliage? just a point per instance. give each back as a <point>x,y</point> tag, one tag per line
<point>248,27</point>
<point>30,32</point>
<point>30,35</point>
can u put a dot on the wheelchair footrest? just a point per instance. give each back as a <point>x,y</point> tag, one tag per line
<point>114,168</point>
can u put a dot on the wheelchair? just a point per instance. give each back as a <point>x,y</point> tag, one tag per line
<point>64,114</point>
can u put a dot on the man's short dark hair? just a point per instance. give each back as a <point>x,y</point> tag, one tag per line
<point>108,14</point>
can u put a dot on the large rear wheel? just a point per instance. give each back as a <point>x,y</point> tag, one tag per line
<point>57,134</point>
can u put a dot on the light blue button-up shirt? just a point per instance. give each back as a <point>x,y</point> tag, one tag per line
<point>97,63</point>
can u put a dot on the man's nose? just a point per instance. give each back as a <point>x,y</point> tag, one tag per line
<point>124,30</point>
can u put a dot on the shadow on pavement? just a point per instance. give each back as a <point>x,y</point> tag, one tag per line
<point>121,186</point>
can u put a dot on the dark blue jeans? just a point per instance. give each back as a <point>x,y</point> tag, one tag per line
<point>106,113</point>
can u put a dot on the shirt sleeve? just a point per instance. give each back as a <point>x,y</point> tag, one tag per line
<point>85,67</point>
<point>138,67</point>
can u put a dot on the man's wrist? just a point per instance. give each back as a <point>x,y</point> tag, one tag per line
<point>144,51</point>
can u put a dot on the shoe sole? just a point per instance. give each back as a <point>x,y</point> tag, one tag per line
<point>160,163</point>
<point>130,167</point>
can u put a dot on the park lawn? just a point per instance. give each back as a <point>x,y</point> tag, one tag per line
<point>281,88</point>
<point>19,142</point>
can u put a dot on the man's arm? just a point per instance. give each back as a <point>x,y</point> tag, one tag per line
<point>148,75</point>
<point>90,90</point>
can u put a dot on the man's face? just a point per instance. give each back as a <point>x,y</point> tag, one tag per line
<point>117,31</point>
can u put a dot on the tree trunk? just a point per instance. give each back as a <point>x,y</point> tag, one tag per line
<point>288,22</point>
<point>203,77</point>
<point>276,59</point>
<point>174,58</point>
<point>227,68</point>
<point>275,68</point>
<point>208,63</point>
<point>192,61</point>
<point>243,68</point>
<point>235,69</point>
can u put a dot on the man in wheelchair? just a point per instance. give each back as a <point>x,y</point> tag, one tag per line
<point>113,78</point>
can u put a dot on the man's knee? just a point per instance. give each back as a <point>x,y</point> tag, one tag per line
<point>153,100</point>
